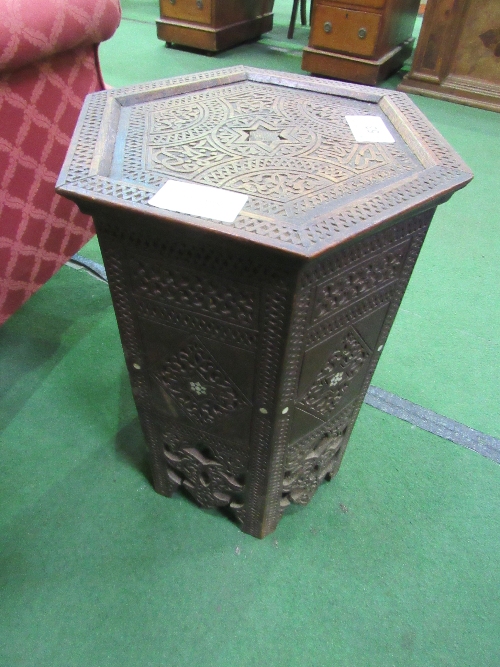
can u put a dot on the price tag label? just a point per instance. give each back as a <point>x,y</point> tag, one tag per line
<point>369,129</point>
<point>202,201</point>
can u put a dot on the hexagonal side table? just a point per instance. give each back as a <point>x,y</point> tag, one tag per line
<point>250,344</point>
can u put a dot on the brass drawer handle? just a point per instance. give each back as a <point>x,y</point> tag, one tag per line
<point>327,27</point>
<point>172,2</point>
<point>362,32</point>
<point>199,4</point>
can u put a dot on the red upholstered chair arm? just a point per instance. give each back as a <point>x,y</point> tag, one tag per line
<point>33,30</point>
<point>48,64</point>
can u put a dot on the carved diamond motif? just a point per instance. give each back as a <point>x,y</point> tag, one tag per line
<point>202,390</point>
<point>335,377</point>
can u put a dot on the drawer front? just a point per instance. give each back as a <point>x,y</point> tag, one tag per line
<point>338,29</point>
<point>192,11</point>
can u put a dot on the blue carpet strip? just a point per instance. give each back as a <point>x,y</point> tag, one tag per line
<point>96,270</point>
<point>383,400</point>
<point>433,423</point>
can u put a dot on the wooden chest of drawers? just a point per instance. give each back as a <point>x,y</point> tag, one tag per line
<point>360,40</point>
<point>213,25</point>
<point>458,54</point>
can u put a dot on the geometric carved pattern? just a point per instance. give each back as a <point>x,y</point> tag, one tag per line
<point>211,468</point>
<point>192,291</point>
<point>328,326</point>
<point>231,453</point>
<point>223,138</point>
<point>374,245</point>
<point>206,326</point>
<point>224,472</point>
<point>227,141</point>
<point>284,142</point>
<point>205,257</point>
<point>202,390</point>
<point>346,292</point>
<point>353,284</point>
<point>335,377</point>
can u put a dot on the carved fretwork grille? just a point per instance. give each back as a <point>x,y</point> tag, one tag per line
<point>203,478</point>
<point>301,481</point>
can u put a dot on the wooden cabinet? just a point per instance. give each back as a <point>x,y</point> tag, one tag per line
<point>360,40</point>
<point>213,25</point>
<point>458,53</point>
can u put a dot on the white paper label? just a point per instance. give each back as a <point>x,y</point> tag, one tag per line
<point>200,200</point>
<point>369,129</point>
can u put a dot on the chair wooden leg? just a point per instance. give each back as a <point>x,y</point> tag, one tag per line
<point>291,27</point>
<point>303,12</point>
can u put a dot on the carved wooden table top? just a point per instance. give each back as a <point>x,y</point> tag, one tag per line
<point>282,139</point>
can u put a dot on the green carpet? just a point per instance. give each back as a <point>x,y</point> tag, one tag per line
<point>393,564</point>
